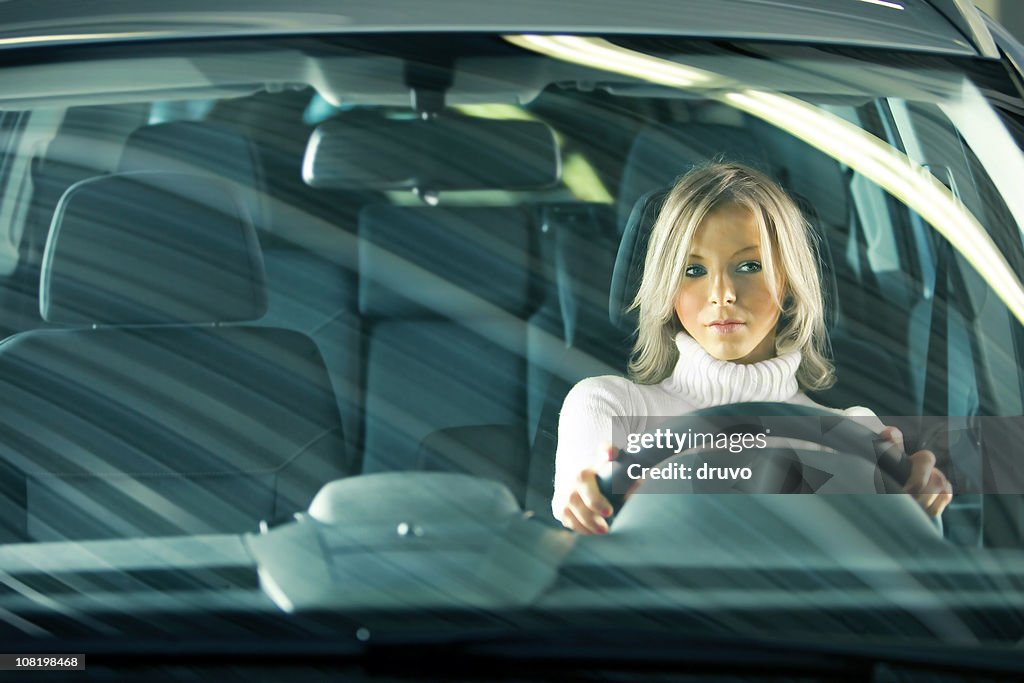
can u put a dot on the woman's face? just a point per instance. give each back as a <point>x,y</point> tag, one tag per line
<point>724,302</point>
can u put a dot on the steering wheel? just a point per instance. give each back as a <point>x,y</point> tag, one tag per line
<point>823,427</point>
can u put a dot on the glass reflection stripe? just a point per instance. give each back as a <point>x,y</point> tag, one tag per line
<point>884,3</point>
<point>978,29</point>
<point>73,37</point>
<point>867,154</point>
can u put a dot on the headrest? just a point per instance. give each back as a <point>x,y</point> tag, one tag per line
<point>200,149</point>
<point>443,153</point>
<point>151,248</point>
<point>629,264</point>
<point>660,155</point>
<point>452,262</point>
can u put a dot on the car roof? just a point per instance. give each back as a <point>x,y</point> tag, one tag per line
<point>938,26</point>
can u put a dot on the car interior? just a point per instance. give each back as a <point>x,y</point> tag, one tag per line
<point>221,305</point>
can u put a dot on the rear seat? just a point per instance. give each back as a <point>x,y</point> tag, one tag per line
<point>469,304</point>
<point>445,293</point>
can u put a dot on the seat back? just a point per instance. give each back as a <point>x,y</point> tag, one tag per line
<point>306,292</point>
<point>660,154</point>
<point>859,365</point>
<point>153,409</point>
<point>445,293</point>
<point>625,281</point>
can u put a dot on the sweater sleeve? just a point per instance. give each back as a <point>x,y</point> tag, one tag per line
<point>866,417</point>
<point>584,425</point>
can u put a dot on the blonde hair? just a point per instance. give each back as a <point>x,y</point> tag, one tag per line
<point>791,241</point>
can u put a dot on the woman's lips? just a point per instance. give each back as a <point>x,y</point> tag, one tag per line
<point>725,328</point>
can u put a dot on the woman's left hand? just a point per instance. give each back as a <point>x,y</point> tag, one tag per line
<point>927,484</point>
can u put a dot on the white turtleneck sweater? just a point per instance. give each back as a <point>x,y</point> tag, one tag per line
<point>699,380</point>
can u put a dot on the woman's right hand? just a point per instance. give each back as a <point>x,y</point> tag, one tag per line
<point>586,510</point>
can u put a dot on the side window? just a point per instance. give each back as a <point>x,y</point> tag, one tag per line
<point>983,374</point>
<point>22,136</point>
<point>878,250</point>
<point>957,335</point>
<point>875,224</point>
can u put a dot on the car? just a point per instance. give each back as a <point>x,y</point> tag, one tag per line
<point>292,297</point>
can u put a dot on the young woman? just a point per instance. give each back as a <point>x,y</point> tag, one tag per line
<point>730,310</point>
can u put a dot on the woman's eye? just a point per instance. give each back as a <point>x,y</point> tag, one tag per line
<point>694,271</point>
<point>750,267</point>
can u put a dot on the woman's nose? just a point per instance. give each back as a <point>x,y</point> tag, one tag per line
<point>722,291</point>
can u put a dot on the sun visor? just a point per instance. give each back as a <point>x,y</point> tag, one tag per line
<point>447,152</point>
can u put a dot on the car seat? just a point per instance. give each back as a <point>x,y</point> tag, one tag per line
<point>155,407</point>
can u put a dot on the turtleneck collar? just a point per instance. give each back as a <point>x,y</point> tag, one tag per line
<point>707,381</point>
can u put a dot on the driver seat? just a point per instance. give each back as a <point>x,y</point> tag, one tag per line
<point>852,356</point>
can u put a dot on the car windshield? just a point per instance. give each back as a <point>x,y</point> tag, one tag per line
<point>289,325</point>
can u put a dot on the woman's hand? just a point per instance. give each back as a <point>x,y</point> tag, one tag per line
<point>927,484</point>
<point>586,510</point>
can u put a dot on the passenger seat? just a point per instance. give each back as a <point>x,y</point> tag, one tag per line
<point>157,407</point>
<point>306,291</point>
